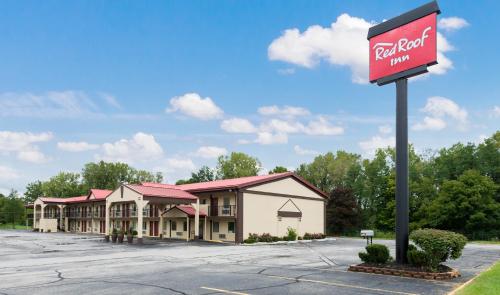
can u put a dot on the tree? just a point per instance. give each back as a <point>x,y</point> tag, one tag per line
<point>13,209</point>
<point>64,185</point>
<point>466,205</point>
<point>278,169</point>
<point>33,191</point>
<point>237,165</point>
<point>104,175</point>
<point>203,175</point>
<point>333,170</point>
<point>342,211</point>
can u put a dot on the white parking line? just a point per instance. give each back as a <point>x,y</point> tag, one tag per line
<point>341,285</point>
<point>224,291</point>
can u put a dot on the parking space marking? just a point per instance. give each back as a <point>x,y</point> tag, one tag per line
<point>224,291</point>
<point>341,285</point>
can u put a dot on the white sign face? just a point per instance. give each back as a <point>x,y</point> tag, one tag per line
<point>367,233</point>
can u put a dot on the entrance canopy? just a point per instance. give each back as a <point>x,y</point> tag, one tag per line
<point>182,211</point>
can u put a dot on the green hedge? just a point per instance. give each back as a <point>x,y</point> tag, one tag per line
<point>437,245</point>
<point>375,253</point>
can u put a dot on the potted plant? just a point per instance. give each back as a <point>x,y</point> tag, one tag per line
<point>121,235</point>
<point>130,235</point>
<point>114,235</point>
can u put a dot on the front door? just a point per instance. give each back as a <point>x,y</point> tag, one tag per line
<point>84,226</point>
<point>153,228</point>
<point>214,209</point>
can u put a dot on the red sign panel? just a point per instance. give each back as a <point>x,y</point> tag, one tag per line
<point>404,48</point>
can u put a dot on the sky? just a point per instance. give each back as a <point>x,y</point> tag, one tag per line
<point>170,85</point>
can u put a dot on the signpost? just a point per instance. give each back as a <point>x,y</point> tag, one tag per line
<point>400,48</point>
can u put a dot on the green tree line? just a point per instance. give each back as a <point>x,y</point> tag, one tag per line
<point>454,188</point>
<point>100,175</point>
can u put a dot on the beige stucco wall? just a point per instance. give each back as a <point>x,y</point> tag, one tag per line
<point>261,211</point>
<point>287,186</point>
<point>223,230</point>
<point>47,224</point>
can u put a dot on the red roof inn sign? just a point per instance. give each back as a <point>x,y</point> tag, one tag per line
<point>400,48</point>
<point>404,43</point>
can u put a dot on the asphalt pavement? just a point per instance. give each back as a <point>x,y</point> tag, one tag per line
<point>62,263</point>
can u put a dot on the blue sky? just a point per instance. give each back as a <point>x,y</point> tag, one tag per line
<point>168,86</point>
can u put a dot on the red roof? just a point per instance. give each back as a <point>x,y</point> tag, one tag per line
<point>100,194</point>
<point>242,182</point>
<point>189,210</point>
<point>162,192</point>
<point>78,199</point>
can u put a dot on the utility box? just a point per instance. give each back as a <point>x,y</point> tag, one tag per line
<point>368,235</point>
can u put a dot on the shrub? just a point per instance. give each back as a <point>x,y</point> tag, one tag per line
<point>266,238</point>
<point>291,234</point>
<point>309,236</point>
<point>438,245</point>
<point>249,241</point>
<point>417,257</point>
<point>375,253</point>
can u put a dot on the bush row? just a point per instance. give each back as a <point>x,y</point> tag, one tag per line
<point>268,238</point>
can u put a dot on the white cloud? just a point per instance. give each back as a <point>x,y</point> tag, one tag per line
<point>7,173</point>
<point>303,152</point>
<point>430,123</point>
<point>343,43</point>
<point>376,142</point>
<point>243,141</point>
<point>287,111</point>
<point>496,111</point>
<point>32,155</point>
<point>180,164</point>
<point>238,125</point>
<point>385,129</point>
<point>141,147</point>
<point>80,146</point>
<point>438,109</point>
<point>193,105</point>
<point>53,104</point>
<point>271,138</point>
<point>22,143</point>
<point>281,126</point>
<point>16,141</point>
<point>209,152</point>
<point>452,23</point>
<point>322,126</point>
<point>110,100</point>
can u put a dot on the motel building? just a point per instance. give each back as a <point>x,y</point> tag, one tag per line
<point>222,210</point>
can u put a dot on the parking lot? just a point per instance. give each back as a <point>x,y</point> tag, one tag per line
<point>60,263</point>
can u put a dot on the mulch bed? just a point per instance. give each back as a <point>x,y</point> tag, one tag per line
<point>443,273</point>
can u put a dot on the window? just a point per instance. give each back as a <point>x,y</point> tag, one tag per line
<point>215,227</point>
<point>185,226</point>
<point>144,226</point>
<point>230,227</point>
<point>226,202</point>
<point>174,225</point>
<point>203,201</point>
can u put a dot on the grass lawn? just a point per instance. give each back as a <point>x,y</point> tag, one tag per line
<point>9,226</point>
<point>486,283</point>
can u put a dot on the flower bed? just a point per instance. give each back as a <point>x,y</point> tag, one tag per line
<point>443,273</point>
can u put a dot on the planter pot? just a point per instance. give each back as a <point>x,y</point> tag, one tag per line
<point>120,239</point>
<point>130,239</point>
<point>113,238</point>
